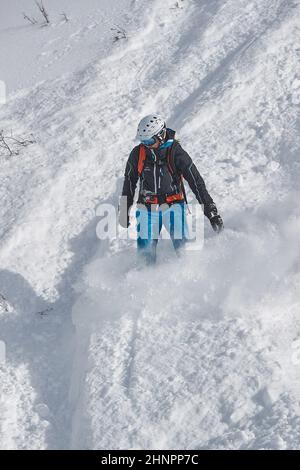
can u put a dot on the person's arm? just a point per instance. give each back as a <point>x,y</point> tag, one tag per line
<point>188,169</point>
<point>130,181</point>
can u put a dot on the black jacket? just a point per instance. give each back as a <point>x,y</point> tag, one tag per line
<point>156,179</point>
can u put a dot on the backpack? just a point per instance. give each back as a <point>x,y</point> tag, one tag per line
<point>172,169</point>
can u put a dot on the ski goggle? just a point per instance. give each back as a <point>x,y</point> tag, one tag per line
<point>149,142</point>
<point>157,137</point>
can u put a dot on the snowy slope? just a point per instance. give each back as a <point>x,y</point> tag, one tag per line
<point>32,54</point>
<point>99,355</point>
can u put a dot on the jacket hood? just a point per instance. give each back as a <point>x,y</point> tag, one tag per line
<point>170,134</point>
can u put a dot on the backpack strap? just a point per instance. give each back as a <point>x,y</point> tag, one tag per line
<point>170,160</point>
<point>174,171</point>
<point>142,158</point>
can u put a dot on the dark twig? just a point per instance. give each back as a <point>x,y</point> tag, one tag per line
<point>120,33</point>
<point>43,11</point>
<point>23,142</point>
<point>64,17</point>
<point>31,20</point>
<point>176,6</point>
<point>4,144</point>
<point>44,312</point>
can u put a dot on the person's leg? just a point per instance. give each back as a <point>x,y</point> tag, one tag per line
<point>148,232</point>
<point>176,224</point>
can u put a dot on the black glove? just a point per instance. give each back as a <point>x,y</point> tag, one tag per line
<point>217,223</point>
<point>214,218</point>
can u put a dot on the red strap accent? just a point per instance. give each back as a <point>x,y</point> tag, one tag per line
<point>151,200</point>
<point>175,197</point>
<point>142,158</point>
<point>169,199</point>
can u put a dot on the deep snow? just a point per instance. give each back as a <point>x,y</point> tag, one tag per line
<point>195,354</point>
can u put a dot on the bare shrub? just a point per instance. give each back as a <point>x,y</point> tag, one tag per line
<point>10,145</point>
<point>120,33</point>
<point>43,12</point>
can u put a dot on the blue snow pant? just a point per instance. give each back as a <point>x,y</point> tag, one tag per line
<point>149,226</point>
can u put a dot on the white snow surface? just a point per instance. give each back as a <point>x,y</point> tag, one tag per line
<point>196,353</point>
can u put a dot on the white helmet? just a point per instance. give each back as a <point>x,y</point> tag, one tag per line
<point>150,126</point>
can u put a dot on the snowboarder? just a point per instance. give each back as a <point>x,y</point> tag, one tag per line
<point>159,162</point>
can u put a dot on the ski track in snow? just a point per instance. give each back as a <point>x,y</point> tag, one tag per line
<point>201,359</point>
